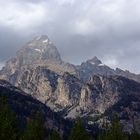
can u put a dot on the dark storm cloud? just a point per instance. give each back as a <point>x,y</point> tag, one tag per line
<point>80,29</point>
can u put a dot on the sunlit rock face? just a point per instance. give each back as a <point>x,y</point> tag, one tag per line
<point>39,70</point>
<point>39,49</point>
<point>38,52</point>
<point>95,66</point>
<point>88,89</point>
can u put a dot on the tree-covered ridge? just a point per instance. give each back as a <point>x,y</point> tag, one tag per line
<point>35,128</point>
<point>11,129</point>
<point>24,118</point>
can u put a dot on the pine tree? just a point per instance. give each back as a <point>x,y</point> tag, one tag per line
<point>8,121</point>
<point>35,128</point>
<point>54,135</point>
<point>116,131</point>
<point>134,135</point>
<point>78,132</point>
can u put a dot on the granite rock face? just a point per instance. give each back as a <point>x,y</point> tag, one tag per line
<point>95,66</point>
<point>89,89</point>
<point>24,106</point>
<point>39,70</point>
<point>38,52</point>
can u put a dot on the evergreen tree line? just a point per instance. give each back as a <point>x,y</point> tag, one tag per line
<point>35,128</point>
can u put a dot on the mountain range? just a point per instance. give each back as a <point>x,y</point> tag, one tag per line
<point>90,89</point>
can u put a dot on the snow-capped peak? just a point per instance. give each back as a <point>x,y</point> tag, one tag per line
<point>38,50</point>
<point>95,61</point>
<point>101,65</point>
<point>45,41</point>
<point>41,38</point>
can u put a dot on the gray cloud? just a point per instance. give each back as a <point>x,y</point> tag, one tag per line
<point>80,29</point>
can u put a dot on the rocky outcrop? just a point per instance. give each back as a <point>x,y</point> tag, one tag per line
<point>38,52</point>
<point>128,74</point>
<point>24,106</point>
<point>95,66</point>
<point>91,88</point>
<point>40,48</point>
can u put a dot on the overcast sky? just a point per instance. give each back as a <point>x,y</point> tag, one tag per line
<point>81,29</point>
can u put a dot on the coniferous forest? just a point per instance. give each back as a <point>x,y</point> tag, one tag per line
<point>34,128</point>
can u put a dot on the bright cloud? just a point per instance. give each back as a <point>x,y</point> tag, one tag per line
<point>83,27</point>
<point>18,16</point>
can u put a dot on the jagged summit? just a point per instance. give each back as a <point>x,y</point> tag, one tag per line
<point>44,39</point>
<point>40,48</point>
<point>86,90</point>
<point>94,61</point>
<point>41,37</point>
<point>39,52</point>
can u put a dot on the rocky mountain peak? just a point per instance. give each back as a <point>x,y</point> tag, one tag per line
<point>89,89</point>
<point>42,37</point>
<point>39,52</point>
<point>94,61</point>
<point>40,48</point>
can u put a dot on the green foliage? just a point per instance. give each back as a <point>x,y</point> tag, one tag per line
<point>78,132</point>
<point>8,121</point>
<point>134,134</point>
<point>114,132</point>
<point>54,135</point>
<point>35,129</point>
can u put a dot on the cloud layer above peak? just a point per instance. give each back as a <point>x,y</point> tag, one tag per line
<point>80,29</point>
